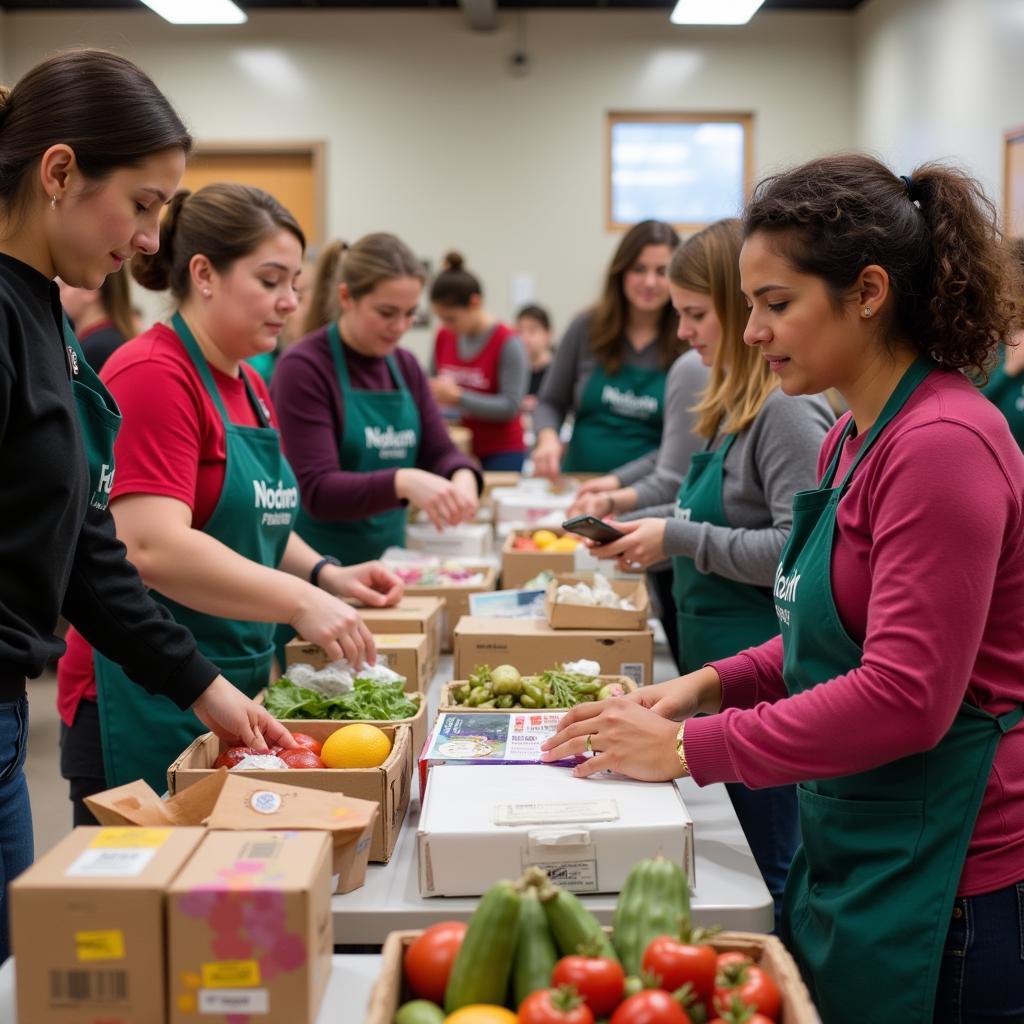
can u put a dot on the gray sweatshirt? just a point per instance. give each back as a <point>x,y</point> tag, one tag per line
<point>656,476</point>
<point>776,456</point>
<point>573,367</point>
<point>513,378</point>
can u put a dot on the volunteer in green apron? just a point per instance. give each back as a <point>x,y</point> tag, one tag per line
<point>895,693</point>
<point>609,370</point>
<point>1005,387</point>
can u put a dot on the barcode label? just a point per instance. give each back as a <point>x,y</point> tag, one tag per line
<point>633,670</point>
<point>68,987</point>
<point>266,849</point>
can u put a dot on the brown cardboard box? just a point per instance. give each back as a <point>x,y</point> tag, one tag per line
<point>88,926</point>
<point>249,929</point>
<point>410,615</point>
<point>404,653</point>
<point>533,646</point>
<point>387,785</point>
<point>226,801</point>
<point>562,615</point>
<point>518,567</point>
<point>456,599</point>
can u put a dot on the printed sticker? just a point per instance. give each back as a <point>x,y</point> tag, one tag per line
<point>102,945</point>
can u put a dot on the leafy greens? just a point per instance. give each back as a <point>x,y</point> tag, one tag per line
<point>367,700</point>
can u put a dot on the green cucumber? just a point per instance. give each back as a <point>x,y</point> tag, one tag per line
<point>573,926</point>
<point>655,900</point>
<point>536,954</point>
<point>419,1011</point>
<point>483,964</point>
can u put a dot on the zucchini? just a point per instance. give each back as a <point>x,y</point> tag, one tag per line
<point>573,926</point>
<point>655,900</point>
<point>483,964</point>
<point>536,955</point>
<point>419,1011</point>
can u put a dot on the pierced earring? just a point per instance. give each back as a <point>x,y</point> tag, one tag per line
<point>867,311</point>
<point>53,202</point>
<point>207,293</point>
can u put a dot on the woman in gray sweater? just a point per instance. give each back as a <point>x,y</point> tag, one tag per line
<point>734,509</point>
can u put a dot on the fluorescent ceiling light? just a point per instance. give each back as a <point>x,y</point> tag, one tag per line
<point>712,12</point>
<point>198,12</point>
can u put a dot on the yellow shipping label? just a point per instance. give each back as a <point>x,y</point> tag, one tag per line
<point>231,974</point>
<point>131,838</point>
<point>107,945</point>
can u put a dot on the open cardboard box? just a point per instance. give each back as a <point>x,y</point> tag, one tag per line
<point>563,615</point>
<point>405,653</point>
<point>411,615</point>
<point>390,992</point>
<point>388,785</point>
<point>233,802</point>
<point>447,704</point>
<point>519,567</point>
<point>456,600</point>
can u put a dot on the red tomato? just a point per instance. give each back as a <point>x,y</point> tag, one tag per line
<point>428,961</point>
<point>554,1006</point>
<point>753,987</point>
<point>301,758</point>
<point>679,963</point>
<point>232,756</point>
<point>732,957</point>
<point>303,740</point>
<point>598,980</point>
<point>651,1007</point>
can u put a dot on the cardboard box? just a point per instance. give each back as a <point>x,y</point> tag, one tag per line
<point>88,926</point>
<point>532,503</point>
<point>456,600</point>
<point>519,567</point>
<point>533,646</point>
<point>564,615</point>
<point>478,826</point>
<point>404,653</point>
<point>467,540</point>
<point>411,615</point>
<point>233,802</point>
<point>499,478</point>
<point>388,785</point>
<point>446,703</point>
<point>250,934</point>
<point>390,991</point>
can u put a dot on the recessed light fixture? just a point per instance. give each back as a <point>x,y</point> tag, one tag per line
<point>714,12</point>
<point>198,12</point>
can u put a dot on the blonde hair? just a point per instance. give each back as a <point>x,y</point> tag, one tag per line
<point>740,380</point>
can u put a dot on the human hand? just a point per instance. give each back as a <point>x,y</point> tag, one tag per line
<point>237,720</point>
<point>596,503</point>
<point>445,502</point>
<point>625,737</point>
<point>643,545</point>
<point>368,582</point>
<point>445,389</point>
<point>684,697</point>
<point>337,627</point>
<point>598,484</point>
<point>547,456</point>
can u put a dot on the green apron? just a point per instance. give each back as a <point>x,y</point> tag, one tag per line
<point>619,419</point>
<point>871,890</point>
<point>143,733</point>
<point>716,616</point>
<point>1007,393</point>
<point>99,420</point>
<point>382,431</point>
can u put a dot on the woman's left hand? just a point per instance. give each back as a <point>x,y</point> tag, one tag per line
<point>624,737</point>
<point>368,582</point>
<point>446,390</point>
<point>643,545</point>
<point>237,720</point>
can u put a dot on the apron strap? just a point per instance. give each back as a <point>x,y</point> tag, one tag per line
<point>188,339</point>
<point>1010,719</point>
<point>341,366</point>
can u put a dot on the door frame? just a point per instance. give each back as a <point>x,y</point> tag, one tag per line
<point>1014,137</point>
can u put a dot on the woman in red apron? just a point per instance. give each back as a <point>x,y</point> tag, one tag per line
<point>895,693</point>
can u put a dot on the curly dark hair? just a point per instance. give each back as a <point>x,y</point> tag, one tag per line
<point>954,278</point>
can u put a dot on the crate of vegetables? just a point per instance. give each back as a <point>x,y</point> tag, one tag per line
<point>527,940</point>
<point>527,553</point>
<point>370,761</point>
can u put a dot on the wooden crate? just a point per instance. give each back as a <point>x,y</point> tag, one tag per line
<point>447,704</point>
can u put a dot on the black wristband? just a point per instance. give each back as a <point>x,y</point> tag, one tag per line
<point>314,573</point>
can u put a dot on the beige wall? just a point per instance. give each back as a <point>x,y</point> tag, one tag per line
<point>940,79</point>
<point>430,136</point>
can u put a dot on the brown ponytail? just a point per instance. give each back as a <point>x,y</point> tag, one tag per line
<point>323,303</point>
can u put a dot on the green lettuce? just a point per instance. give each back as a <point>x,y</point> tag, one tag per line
<point>370,700</point>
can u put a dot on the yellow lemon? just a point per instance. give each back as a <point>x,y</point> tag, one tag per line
<point>356,746</point>
<point>563,545</point>
<point>542,538</point>
<point>479,1013</point>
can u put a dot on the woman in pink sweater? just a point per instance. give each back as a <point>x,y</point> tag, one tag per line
<point>895,692</point>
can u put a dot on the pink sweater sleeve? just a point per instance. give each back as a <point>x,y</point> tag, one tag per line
<point>941,507</point>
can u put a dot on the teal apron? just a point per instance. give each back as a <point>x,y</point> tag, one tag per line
<point>871,890</point>
<point>619,419</point>
<point>1007,394</point>
<point>143,733</point>
<point>382,431</point>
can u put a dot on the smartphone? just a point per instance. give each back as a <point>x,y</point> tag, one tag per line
<point>592,528</point>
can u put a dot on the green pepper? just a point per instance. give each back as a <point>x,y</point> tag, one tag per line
<point>505,701</point>
<point>487,703</point>
<point>478,695</point>
<point>527,701</point>
<point>460,693</point>
<point>535,693</point>
<point>550,700</point>
<point>592,687</point>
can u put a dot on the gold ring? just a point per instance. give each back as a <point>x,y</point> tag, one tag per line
<point>588,744</point>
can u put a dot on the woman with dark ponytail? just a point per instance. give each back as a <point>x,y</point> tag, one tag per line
<point>895,693</point>
<point>90,151</point>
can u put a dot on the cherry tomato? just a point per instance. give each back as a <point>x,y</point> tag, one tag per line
<point>650,1007</point>
<point>732,957</point>
<point>752,985</point>
<point>555,1006</point>
<point>678,963</point>
<point>428,961</point>
<point>233,755</point>
<point>599,980</point>
<point>304,740</point>
<point>301,758</point>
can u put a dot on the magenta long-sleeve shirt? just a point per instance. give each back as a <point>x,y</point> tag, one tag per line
<point>928,578</point>
<point>311,414</point>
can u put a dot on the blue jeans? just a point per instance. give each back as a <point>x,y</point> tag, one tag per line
<point>503,462</point>
<point>771,822</point>
<point>16,847</point>
<point>982,976</point>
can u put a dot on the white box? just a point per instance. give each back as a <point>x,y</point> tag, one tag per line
<point>587,834</point>
<point>466,540</point>
<point>529,506</point>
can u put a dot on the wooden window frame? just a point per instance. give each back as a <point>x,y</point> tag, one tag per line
<point>1014,137</point>
<point>614,117</point>
<point>315,148</point>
